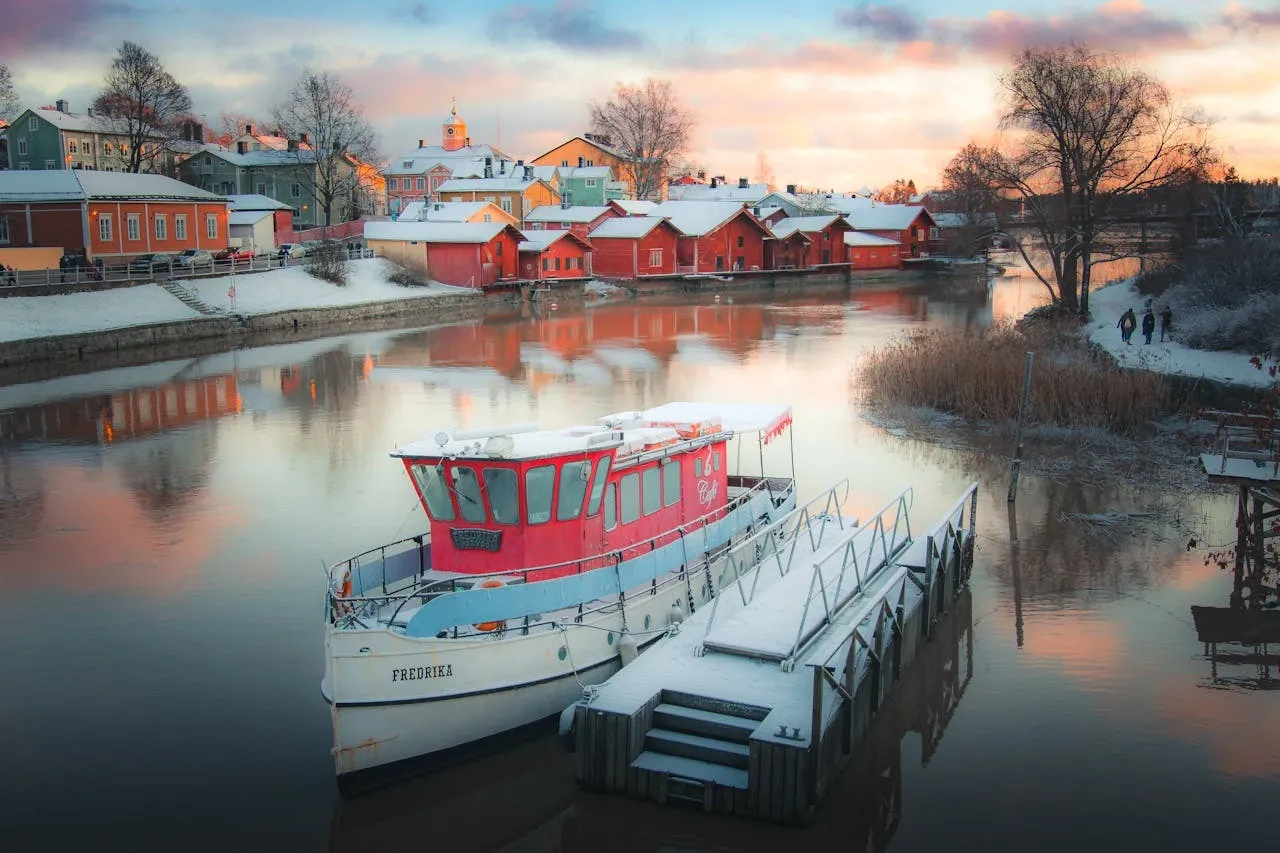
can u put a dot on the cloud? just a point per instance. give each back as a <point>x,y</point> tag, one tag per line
<point>1239,18</point>
<point>569,24</point>
<point>30,27</point>
<point>1120,25</point>
<point>422,13</point>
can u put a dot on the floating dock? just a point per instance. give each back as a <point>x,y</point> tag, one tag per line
<point>754,704</point>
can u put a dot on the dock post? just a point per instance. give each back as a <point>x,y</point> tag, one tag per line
<point>815,736</point>
<point>1022,421</point>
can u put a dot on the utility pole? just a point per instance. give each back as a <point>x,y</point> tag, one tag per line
<point>1022,421</point>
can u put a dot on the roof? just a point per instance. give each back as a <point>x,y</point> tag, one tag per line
<point>634,207</point>
<point>465,161</point>
<point>767,418</point>
<point>612,152</point>
<point>696,218</point>
<point>722,192</point>
<point>81,123</point>
<point>540,241</point>
<point>247,217</point>
<point>435,232</point>
<point>628,227</point>
<point>804,224</point>
<point>84,184</point>
<point>960,220</point>
<point>886,217</point>
<point>268,157</point>
<point>858,238</point>
<point>505,184</point>
<point>576,172</point>
<point>444,211</point>
<point>253,201</point>
<point>556,213</point>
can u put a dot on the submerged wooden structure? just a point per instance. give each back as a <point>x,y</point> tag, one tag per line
<point>756,703</point>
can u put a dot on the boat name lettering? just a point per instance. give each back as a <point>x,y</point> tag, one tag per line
<point>414,673</point>
<point>707,491</point>
<point>475,539</point>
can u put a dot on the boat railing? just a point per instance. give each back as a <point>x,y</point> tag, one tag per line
<point>354,609</point>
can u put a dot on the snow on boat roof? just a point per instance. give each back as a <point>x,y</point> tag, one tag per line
<point>767,418</point>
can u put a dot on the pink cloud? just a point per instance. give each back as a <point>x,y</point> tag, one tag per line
<point>31,26</point>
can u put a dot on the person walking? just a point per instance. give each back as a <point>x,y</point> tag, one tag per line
<point>1166,323</point>
<point>1128,322</point>
<point>1148,324</point>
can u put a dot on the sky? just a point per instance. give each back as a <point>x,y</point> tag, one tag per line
<point>836,95</point>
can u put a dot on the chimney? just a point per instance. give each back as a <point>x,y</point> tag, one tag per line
<point>89,111</point>
<point>292,145</point>
<point>488,167</point>
<point>304,138</point>
<point>467,142</point>
<point>743,183</point>
<point>702,174</point>
<point>714,183</point>
<point>520,163</point>
<point>240,147</point>
<point>565,202</point>
<point>791,189</point>
<point>502,166</point>
<point>721,179</point>
<point>528,173</point>
<point>582,161</point>
<point>248,128</point>
<point>422,143</point>
<point>61,105</point>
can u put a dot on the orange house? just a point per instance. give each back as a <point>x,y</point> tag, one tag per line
<point>554,255</point>
<point>109,214</point>
<point>516,195</point>
<point>595,150</point>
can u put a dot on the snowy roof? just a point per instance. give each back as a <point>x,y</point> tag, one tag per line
<point>504,184</point>
<point>960,220</point>
<point>464,162</point>
<point>723,192</point>
<point>697,218</point>
<point>632,227</point>
<point>885,217</point>
<point>543,173</point>
<point>81,123</point>
<point>556,213</point>
<point>571,172</point>
<point>434,232</point>
<point>82,184</point>
<point>858,238</point>
<point>444,211</point>
<point>269,157</point>
<point>635,207</point>
<point>804,224</point>
<point>253,201</point>
<point>540,241</point>
<point>247,217</point>
<point>767,418</point>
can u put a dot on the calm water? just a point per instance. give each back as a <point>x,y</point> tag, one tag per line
<point>162,531</point>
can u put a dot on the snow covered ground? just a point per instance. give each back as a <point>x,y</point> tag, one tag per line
<point>1107,304</point>
<point>24,317</point>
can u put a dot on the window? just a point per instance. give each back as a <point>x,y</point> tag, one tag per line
<point>715,461</point>
<point>573,488</point>
<point>295,190</point>
<point>4,229</point>
<point>406,164</point>
<point>610,507</point>
<point>557,264</point>
<point>421,183</point>
<point>590,183</point>
<point>671,482</point>
<point>22,147</point>
<point>504,503</point>
<point>652,493</point>
<point>741,241</point>
<point>162,227</point>
<point>262,189</point>
<point>488,218</point>
<point>208,161</point>
<point>50,164</point>
<point>434,492</point>
<point>131,229</point>
<point>538,484</point>
<point>597,486</point>
<point>563,163</point>
<point>546,264</point>
<point>33,124</point>
<point>697,467</point>
<point>22,167</point>
<point>466,486</point>
<point>655,257</point>
<point>73,146</point>
<point>108,148</point>
<point>211,226</point>
<point>933,233</point>
<point>506,204</point>
<point>490,199</point>
<point>590,163</point>
<point>630,498</point>
<point>180,226</point>
<point>104,227</point>
<point>392,184</point>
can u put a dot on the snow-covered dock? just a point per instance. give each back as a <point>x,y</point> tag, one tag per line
<point>755,702</point>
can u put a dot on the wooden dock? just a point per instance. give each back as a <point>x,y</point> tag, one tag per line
<point>757,702</point>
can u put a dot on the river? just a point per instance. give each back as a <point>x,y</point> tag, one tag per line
<point>162,532</point>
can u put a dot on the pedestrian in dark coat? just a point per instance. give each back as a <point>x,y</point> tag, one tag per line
<point>1128,322</point>
<point>1148,324</point>
<point>1166,323</point>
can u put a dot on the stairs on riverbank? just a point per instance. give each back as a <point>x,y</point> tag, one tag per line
<point>186,297</point>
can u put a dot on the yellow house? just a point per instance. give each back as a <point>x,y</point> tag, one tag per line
<point>455,211</point>
<point>516,195</point>
<point>591,150</point>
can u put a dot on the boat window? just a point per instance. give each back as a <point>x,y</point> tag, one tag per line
<point>467,486</point>
<point>504,503</point>
<point>573,488</point>
<point>652,490</point>
<point>597,486</point>
<point>715,460</point>
<point>630,498</point>
<point>697,467</point>
<point>671,482</point>
<point>431,484</point>
<point>611,507</point>
<point>538,485</point>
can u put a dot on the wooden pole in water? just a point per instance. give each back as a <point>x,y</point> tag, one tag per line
<point>1022,422</point>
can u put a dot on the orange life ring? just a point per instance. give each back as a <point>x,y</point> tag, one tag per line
<point>491,583</point>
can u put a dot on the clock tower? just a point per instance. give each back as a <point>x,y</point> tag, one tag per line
<point>454,134</point>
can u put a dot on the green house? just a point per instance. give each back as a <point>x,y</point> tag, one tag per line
<point>44,138</point>
<point>592,186</point>
<point>286,176</point>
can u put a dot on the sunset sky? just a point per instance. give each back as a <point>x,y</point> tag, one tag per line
<point>836,94</point>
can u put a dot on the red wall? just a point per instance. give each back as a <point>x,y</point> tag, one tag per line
<point>532,264</point>
<point>121,246</point>
<point>52,224</point>
<point>913,246</point>
<point>793,252</point>
<point>474,264</point>
<point>622,257</point>
<point>874,257</point>
<point>723,243</point>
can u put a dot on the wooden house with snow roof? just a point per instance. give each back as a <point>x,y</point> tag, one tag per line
<point>465,254</point>
<point>554,254</point>
<point>634,246</point>
<point>716,236</point>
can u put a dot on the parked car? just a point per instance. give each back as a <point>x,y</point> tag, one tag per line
<point>292,250</point>
<point>312,246</point>
<point>192,258</point>
<point>151,263</point>
<point>234,253</point>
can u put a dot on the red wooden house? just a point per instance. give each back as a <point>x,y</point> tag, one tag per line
<point>871,252</point>
<point>466,254</point>
<point>554,255</point>
<point>632,246</point>
<point>825,233</point>
<point>788,253</point>
<point>908,224</point>
<point>632,206</point>
<point>578,218</point>
<point>716,236</point>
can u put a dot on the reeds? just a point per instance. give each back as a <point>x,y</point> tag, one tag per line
<point>978,376</point>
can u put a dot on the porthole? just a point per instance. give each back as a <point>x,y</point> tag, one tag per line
<point>563,653</point>
<point>646,621</point>
<point>610,638</point>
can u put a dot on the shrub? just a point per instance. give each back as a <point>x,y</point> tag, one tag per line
<point>405,276</point>
<point>1227,296</point>
<point>328,262</point>
<point>979,377</point>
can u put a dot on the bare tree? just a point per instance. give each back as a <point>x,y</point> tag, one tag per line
<point>231,124</point>
<point>764,172</point>
<point>899,192</point>
<point>647,128</point>
<point>1091,136</point>
<point>967,191</point>
<point>145,102</point>
<point>1226,200</point>
<point>8,95</point>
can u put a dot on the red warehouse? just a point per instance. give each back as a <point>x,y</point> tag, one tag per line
<point>870,252</point>
<point>787,253</point>
<point>466,254</point>
<point>825,233</point>
<point>632,246</point>
<point>909,224</point>
<point>579,218</point>
<point>554,255</point>
<point>108,214</point>
<point>716,236</point>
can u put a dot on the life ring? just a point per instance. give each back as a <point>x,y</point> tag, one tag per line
<point>488,627</point>
<point>342,607</point>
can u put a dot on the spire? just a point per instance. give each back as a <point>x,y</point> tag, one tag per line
<point>454,109</point>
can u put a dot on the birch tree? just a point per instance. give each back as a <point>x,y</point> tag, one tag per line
<point>647,128</point>
<point>144,103</point>
<point>8,95</point>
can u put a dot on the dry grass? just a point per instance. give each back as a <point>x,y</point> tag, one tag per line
<point>978,376</point>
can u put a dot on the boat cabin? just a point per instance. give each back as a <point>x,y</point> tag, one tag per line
<point>509,498</point>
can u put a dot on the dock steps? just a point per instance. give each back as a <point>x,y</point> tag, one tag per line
<point>681,769</point>
<point>708,749</point>
<point>695,721</point>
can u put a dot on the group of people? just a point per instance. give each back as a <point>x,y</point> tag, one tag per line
<point>1129,322</point>
<point>8,275</point>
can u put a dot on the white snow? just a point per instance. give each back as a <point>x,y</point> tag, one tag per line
<point>627,226</point>
<point>698,218</point>
<point>23,317</point>
<point>1108,303</point>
